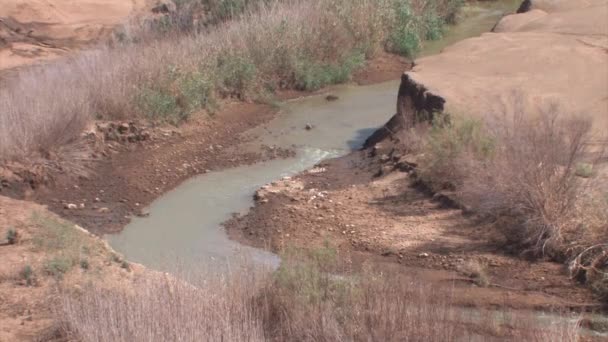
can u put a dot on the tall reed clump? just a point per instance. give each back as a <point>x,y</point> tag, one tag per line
<point>302,301</point>
<point>541,177</point>
<point>254,48</point>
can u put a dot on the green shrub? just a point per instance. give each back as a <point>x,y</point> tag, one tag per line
<point>196,92</point>
<point>433,25</point>
<point>158,104</point>
<point>84,264</point>
<point>57,266</point>
<point>453,141</point>
<point>405,36</point>
<point>12,236</point>
<point>311,76</point>
<point>237,76</point>
<point>27,274</point>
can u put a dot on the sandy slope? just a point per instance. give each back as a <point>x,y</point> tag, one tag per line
<point>44,29</point>
<point>557,53</point>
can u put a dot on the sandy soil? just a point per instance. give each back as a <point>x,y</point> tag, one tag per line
<point>37,30</point>
<point>27,308</point>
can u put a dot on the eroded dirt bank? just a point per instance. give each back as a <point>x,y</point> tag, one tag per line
<point>33,31</point>
<point>129,164</point>
<point>369,206</point>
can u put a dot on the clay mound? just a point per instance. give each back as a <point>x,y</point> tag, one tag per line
<point>37,29</point>
<point>536,58</point>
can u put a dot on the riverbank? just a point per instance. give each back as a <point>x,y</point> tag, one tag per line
<point>372,201</point>
<point>126,175</point>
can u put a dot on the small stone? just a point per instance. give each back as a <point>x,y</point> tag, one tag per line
<point>103,210</point>
<point>81,206</point>
<point>70,206</point>
<point>308,127</point>
<point>423,255</point>
<point>97,199</point>
<point>331,97</point>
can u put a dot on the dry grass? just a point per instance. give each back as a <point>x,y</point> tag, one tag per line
<point>280,44</point>
<point>299,302</point>
<point>524,172</point>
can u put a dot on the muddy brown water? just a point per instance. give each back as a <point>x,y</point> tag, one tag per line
<point>184,226</point>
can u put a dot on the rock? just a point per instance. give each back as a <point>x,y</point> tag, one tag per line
<point>308,127</point>
<point>331,97</point>
<point>103,210</point>
<point>97,199</point>
<point>385,158</point>
<point>143,213</point>
<point>423,255</point>
<point>70,206</point>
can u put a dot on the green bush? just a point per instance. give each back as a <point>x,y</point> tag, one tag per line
<point>158,104</point>
<point>84,264</point>
<point>452,141</point>
<point>27,274</point>
<point>237,76</point>
<point>196,92</point>
<point>57,266</point>
<point>405,36</point>
<point>312,76</point>
<point>12,236</point>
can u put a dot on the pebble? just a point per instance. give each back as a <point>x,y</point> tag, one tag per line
<point>70,206</point>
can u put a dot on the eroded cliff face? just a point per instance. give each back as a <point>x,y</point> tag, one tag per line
<point>36,30</point>
<point>556,54</point>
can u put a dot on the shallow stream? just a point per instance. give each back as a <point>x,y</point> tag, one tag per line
<point>184,225</point>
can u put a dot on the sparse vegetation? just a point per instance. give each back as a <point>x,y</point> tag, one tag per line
<point>27,274</point>
<point>300,302</point>
<point>530,174</point>
<point>58,266</point>
<point>12,237</point>
<point>264,46</point>
<point>84,264</point>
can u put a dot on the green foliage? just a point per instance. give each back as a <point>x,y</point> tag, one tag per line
<point>196,92</point>
<point>58,266</point>
<point>84,264</point>
<point>433,26</point>
<point>237,76</point>
<point>451,141</point>
<point>159,104</point>
<point>55,235</point>
<point>405,36</point>
<point>312,76</point>
<point>27,274</point>
<point>12,236</point>
<point>308,278</point>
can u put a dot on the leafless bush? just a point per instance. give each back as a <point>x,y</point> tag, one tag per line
<point>531,177</point>
<point>299,302</point>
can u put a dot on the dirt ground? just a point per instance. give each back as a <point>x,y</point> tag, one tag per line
<point>368,207</point>
<point>58,256</point>
<point>124,175</point>
<point>37,30</point>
